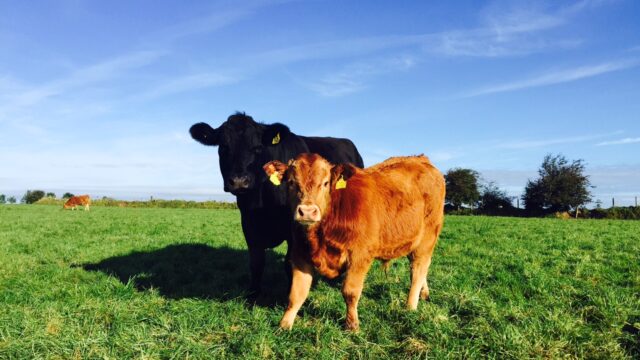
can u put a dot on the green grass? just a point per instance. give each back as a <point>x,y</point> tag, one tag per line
<point>168,283</point>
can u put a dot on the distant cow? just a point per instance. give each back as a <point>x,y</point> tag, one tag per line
<point>75,201</point>
<point>243,147</point>
<point>346,217</point>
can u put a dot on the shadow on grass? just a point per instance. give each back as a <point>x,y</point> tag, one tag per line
<point>197,271</point>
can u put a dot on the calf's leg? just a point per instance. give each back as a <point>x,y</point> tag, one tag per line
<point>352,289</point>
<point>420,261</point>
<point>287,266</point>
<point>302,277</point>
<point>419,268</point>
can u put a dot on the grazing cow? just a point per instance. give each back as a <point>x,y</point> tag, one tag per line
<point>243,147</point>
<point>346,217</point>
<point>75,201</point>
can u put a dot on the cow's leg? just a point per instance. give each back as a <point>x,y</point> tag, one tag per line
<point>352,289</point>
<point>302,278</point>
<point>257,256</point>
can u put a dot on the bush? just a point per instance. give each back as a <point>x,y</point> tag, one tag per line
<point>622,213</point>
<point>47,200</point>
<point>67,195</point>
<point>3,198</point>
<point>11,200</point>
<point>494,201</point>
<point>31,196</point>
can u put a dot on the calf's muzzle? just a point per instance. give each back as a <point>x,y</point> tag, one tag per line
<point>307,214</point>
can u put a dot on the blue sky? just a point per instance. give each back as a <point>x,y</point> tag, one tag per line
<point>98,97</point>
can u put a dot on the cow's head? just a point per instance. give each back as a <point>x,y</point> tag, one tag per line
<point>243,146</point>
<point>310,179</point>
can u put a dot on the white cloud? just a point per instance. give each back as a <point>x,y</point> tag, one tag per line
<point>353,77</point>
<point>510,32</point>
<point>81,77</point>
<point>556,77</point>
<point>217,18</point>
<point>620,142</point>
<point>186,83</point>
<point>529,143</point>
<point>142,163</point>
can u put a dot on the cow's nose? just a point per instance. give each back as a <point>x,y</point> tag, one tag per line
<point>308,213</point>
<point>239,182</point>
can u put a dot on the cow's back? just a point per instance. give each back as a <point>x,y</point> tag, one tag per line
<point>335,150</point>
<point>78,200</point>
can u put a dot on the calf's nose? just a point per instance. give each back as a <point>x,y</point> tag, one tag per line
<point>308,213</point>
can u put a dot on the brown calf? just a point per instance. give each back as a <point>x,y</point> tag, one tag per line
<point>346,217</point>
<point>75,201</point>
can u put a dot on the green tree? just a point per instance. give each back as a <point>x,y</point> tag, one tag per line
<point>50,194</point>
<point>32,196</point>
<point>462,187</point>
<point>493,200</point>
<point>11,200</point>
<point>561,186</point>
<point>3,198</point>
<point>67,195</point>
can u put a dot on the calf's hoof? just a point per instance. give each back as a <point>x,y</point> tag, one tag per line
<point>286,324</point>
<point>353,325</point>
<point>424,294</point>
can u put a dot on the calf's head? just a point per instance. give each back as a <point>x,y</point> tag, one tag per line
<point>243,146</point>
<point>310,180</point>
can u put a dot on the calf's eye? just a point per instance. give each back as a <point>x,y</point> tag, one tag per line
<point>326,183</point>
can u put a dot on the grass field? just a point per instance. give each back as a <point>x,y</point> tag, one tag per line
<point>168,283</point>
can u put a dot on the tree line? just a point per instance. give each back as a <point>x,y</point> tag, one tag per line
<point>561,187</point>
<point>31,197</point>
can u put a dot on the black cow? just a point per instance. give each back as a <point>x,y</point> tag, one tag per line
<point>244,146</point>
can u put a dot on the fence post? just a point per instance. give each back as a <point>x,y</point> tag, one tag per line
<point>636,201</point>
<point>613,202</point>
<point>518,203</point>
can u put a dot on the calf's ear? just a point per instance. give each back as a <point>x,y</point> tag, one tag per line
<point>275,171</point>
<point>274,134</point>
<point>340,174</point>
<point>205,134</point>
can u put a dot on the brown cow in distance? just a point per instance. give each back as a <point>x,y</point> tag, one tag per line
<point>75,201</point>
<point>346,217</point>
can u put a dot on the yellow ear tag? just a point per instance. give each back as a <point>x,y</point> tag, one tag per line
<point>274,179</point>
<point>341,183</point>
<point>276,139</point>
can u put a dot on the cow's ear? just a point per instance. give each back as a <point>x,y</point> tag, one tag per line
<point>275,171</point>
<point>205,134</point>
<point>274,134</point>
<point>340,174</point>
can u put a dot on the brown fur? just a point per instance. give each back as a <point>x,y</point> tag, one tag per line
<point>75,201</point>
<point>389,210</point>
